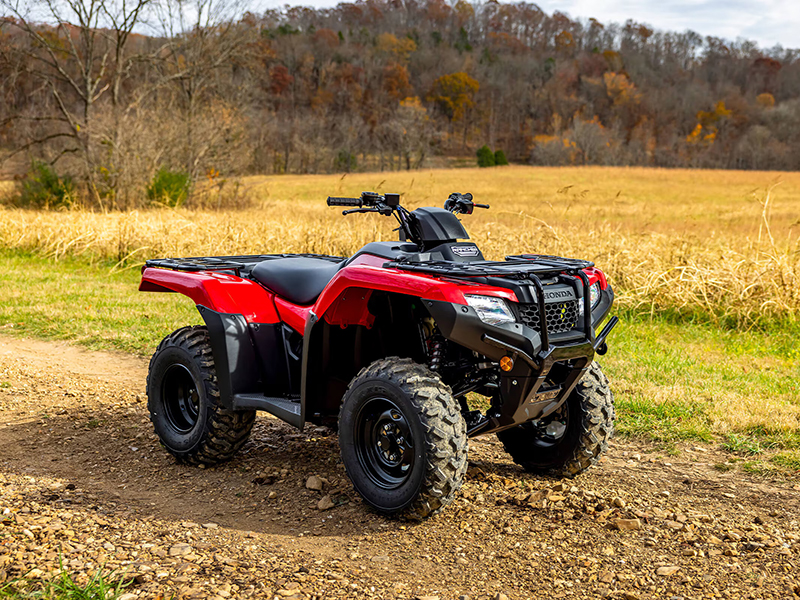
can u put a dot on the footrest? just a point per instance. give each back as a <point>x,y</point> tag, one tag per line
<point>283,408</point>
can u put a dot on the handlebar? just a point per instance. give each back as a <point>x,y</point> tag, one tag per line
<point>344,201</point>
<point>389,205</point>
<point>462,204</point>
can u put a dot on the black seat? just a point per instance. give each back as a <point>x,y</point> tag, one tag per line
<point>300,280</point>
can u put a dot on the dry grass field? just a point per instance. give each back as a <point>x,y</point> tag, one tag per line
<point>722,245</point>
<point>705,264</point>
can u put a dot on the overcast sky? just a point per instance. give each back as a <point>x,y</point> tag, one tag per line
<point>768,22</point>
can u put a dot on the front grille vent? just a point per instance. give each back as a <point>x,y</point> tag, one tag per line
<point>561,316</point>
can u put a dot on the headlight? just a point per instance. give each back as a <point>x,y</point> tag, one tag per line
<point>491,310</point>
<point>594,293</point>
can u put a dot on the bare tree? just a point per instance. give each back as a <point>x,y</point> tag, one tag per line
<point>205,39</point>
<point>79,51</point>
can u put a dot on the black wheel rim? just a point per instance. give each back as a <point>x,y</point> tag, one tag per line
<point>384,443</point>
<point>552,430</point>
<point>181,399</point>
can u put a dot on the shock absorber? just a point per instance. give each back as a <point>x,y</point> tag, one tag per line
<point>436,352</point>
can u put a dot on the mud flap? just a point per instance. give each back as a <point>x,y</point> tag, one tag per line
<point>235,357</point>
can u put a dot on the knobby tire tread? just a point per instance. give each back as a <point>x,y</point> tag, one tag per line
<point>596,429</point>
<point>445,429</point>
<point>226,431</point>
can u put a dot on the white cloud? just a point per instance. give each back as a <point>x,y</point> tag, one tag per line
<point>768,22</point>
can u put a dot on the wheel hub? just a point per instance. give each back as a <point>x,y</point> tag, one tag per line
<point>384,443</point>
<point>181,398</point>
<point>550,431</point>
<point>391,442</point>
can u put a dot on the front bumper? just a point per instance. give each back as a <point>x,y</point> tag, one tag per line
<point>546,367</point>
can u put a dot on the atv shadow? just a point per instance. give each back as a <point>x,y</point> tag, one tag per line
<point>115,465</point>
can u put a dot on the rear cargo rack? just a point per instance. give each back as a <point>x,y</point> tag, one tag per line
<point>520,266</point>
<point>236,264</point>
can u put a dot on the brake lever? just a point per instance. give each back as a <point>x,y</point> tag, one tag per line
<point>360,210</point>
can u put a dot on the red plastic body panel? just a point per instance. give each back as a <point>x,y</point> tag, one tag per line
<point>217,291</point>
<point>293,315</point>
<point>402,282</point>
<point>351,309</point>
<point>596,274</point>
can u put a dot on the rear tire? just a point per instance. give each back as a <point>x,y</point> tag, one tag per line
<point>588,415</point>
<point>184,404</point>
<point>402,438</point>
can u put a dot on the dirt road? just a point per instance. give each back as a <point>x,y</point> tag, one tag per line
<point>82,476</point>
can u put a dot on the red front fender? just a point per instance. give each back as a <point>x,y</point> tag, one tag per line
<point>344,301</point>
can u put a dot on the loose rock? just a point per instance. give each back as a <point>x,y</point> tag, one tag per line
<point>628,524</point>
<point>314,483</point>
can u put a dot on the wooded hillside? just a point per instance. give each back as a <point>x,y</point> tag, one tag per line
<point>118,91</point>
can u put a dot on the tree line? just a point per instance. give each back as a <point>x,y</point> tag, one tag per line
<point>117,93</point>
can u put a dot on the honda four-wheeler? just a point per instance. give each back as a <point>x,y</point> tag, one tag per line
<point>394,346</point>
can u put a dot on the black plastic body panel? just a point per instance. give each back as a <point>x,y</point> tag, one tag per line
<point>601,310</point>
<point>387,250</point>
<point>254,368</point>
<point>437,225</point>
<point>235,359</point>
<point>273,364</point>
<point>461,324</point>
<point>454,252</point>
<point>543,374</point>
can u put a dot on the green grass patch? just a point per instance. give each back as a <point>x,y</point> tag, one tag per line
<point>745,445</point>
<point>100,586</point>
<point>672,381</point>
<point>90,304</point>
<point>789,460</point>
<point>687,381</point>
<point>639,416</point>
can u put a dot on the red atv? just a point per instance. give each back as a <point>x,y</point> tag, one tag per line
<point>387,345</point>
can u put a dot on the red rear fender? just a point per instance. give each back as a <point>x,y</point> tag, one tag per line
<point>219,292</point>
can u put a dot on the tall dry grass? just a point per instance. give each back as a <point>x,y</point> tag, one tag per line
<point>716,244</point>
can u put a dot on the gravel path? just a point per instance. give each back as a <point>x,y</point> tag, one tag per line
<point>83,480</point>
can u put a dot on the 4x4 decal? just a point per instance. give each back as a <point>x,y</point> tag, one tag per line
<point>464,251</point>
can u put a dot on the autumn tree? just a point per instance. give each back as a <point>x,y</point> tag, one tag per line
<point>454,95</point>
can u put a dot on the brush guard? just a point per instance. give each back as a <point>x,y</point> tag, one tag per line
<point>526,392</point>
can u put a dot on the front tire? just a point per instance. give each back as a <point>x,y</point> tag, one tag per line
<point>402,438</point>
<point>572,439</point>
<point>184,404</point>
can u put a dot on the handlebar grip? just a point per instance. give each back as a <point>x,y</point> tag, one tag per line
<point>481,205</point>
<point>344,201</point>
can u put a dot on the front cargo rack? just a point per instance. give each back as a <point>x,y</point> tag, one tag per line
<point>236,264</point>
<point>520,266</point>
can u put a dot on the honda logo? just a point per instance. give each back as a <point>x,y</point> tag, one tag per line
<point>559,295</point>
